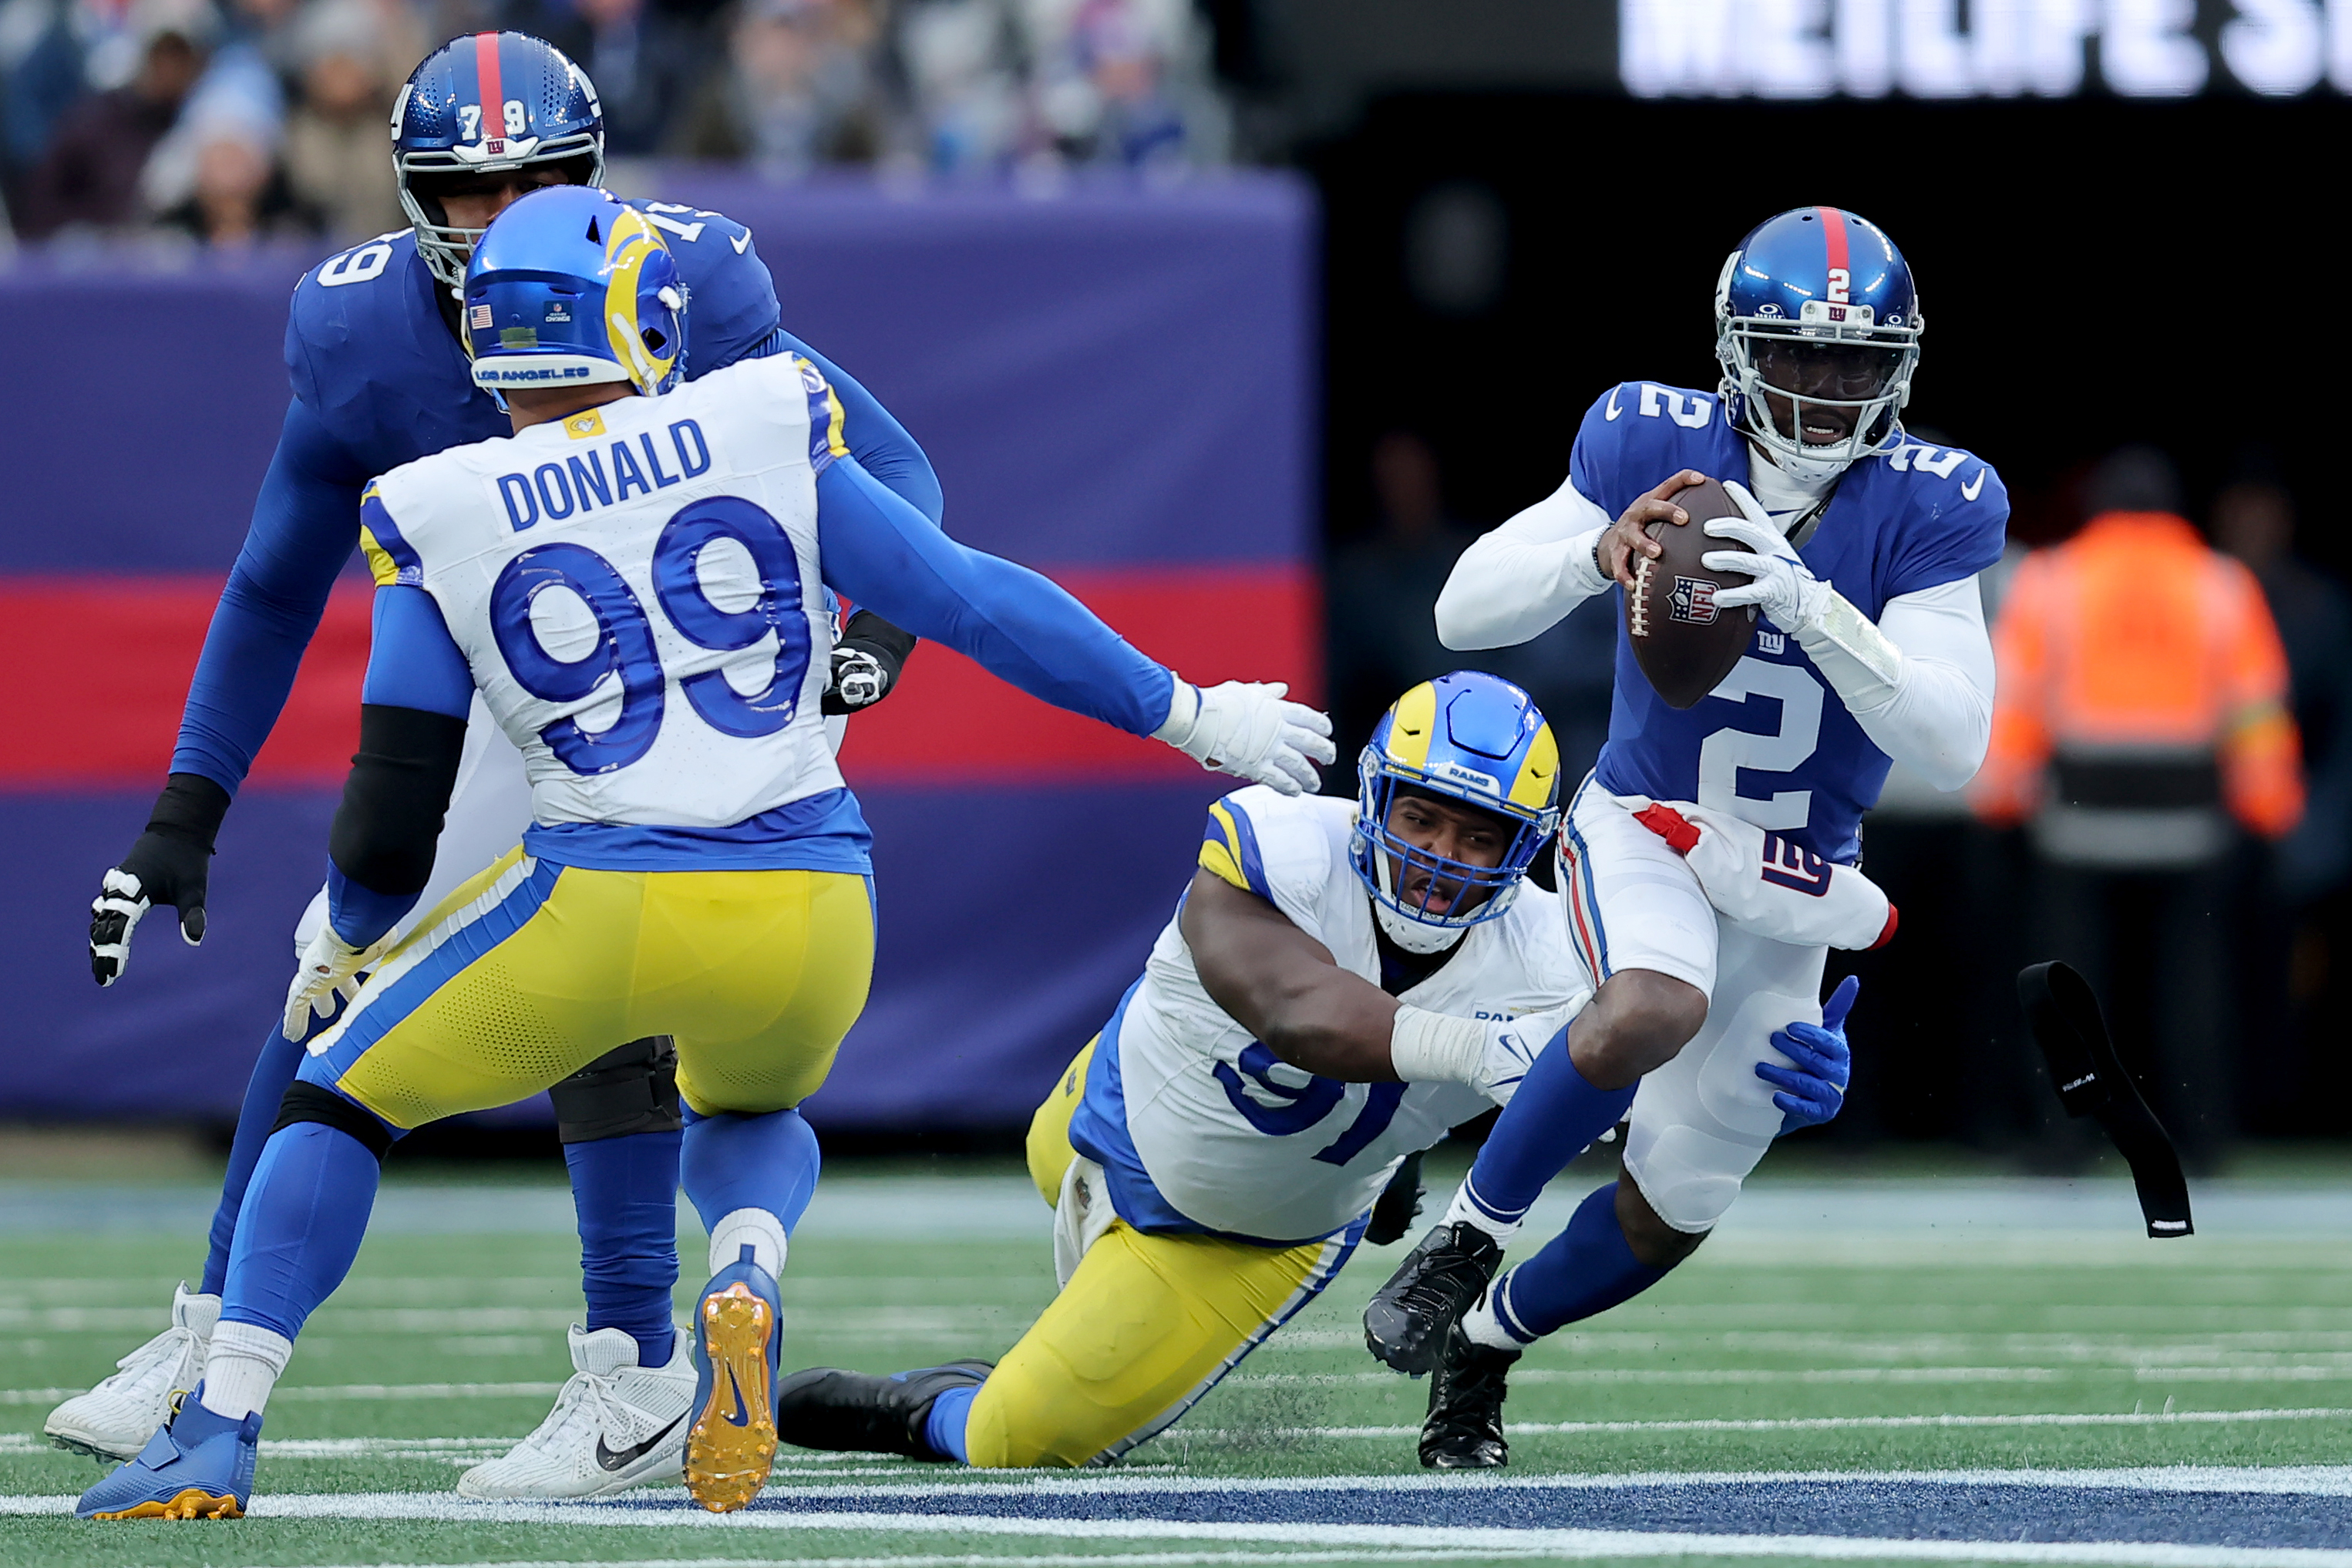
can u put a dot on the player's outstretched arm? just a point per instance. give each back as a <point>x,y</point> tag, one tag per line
<point>305,525</point>
<point>878,551</point>
<point>380,850</point>
<point>1287,991</point>
<point>883,447</point>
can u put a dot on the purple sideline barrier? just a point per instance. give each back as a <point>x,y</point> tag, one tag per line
<point>1105,379</point>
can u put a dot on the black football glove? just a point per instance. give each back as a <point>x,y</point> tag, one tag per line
<point>170,864</point>
<point>867,663</point>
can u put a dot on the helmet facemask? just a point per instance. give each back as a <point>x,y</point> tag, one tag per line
<point>445,245</point>
<point>1818,392</point>
<point>1388,862</point>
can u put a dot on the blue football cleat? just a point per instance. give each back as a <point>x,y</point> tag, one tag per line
<point>200,1466</point>
<point>738,1336</point>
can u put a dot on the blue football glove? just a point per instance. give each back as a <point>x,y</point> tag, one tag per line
<point>1813,1090</point>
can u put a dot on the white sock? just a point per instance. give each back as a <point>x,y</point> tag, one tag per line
<point>757,1228</point>
<point>1462,1211</point>
<point>1482,1327</point>
<point>242,1367</point>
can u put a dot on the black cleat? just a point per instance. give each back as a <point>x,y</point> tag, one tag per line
<point>1406,1320</point>
<point>864,1413</point>
<point>1464,1430</point>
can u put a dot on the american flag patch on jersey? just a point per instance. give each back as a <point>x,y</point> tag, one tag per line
<point>478,318</point>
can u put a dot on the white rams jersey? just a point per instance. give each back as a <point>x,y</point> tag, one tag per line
<point>636,589</point>
<point>1237,1142</point>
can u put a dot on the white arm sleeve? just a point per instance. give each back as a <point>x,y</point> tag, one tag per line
<point>1930,705</point>
<point>1517,581</point>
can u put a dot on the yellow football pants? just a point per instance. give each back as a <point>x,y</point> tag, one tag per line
<point>1146,1325</point>
<point>530,971</point>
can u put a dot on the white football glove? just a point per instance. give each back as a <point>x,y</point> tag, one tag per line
<point>331,968</point>
<point>858,679</point>
<point>1512,1047</point>
<point>1766,884</point>
<point>1245,728</point>
<point>1785,588</point>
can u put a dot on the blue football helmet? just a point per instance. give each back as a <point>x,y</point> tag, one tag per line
<point>571,285</point>
<point>488,103</point>
<point>1817,326</point>
<point>1467,737</point>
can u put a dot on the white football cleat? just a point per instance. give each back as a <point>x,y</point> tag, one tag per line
<point>114,1420</point>
<point>615,1424</point>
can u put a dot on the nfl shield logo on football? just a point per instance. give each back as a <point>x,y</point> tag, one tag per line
<point>1692,600</point>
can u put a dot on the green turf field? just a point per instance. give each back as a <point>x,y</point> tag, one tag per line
<point>1845,1326</point>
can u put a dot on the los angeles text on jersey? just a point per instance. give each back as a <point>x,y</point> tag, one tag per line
<point>603,476</point>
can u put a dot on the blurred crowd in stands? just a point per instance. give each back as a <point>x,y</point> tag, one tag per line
<point>232,120</point>
<point>2167,805</point>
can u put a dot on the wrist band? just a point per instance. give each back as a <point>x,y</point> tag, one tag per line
<point>1431,1048</point>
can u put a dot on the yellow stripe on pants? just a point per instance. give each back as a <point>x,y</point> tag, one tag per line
<point>1145,1327</point>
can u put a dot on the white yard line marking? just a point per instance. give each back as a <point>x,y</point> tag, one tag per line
<point>322,1393</point>
<point>1617,1545</point>
<point>985,1560</point>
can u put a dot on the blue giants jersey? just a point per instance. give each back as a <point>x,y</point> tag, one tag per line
<point>1773,744</point>
<point>371,355</point>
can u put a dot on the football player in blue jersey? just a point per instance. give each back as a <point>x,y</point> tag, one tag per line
<point>379,363</point>
<point>1864,547</point>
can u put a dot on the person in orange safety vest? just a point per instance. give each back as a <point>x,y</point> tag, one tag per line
<point>2141,707</point>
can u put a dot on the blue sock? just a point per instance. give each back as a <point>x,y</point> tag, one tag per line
<point>1589,1267</point>
<point>1549,1122</point>
<point>950,1412</point>
<point>731,1161</point>
<point>304,1217</point>
<point>273,1069</point>
<point>624,1191</point>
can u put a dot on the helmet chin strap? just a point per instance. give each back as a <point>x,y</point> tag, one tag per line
<point>1417,937</point>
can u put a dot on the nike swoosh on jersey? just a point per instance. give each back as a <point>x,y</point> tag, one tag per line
<point>611,1460</point>
<point>1975,487</point>
<point>1612,410</point>
<point>741,242</point>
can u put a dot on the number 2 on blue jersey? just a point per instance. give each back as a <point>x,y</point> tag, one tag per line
<point>625,648</point>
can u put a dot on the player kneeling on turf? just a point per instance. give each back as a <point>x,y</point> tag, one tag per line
<point>1344,981</point>
<point>634,584</point>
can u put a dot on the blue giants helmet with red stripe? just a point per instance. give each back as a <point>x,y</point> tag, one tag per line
<point>489,103</point>
<point>1817,325</point>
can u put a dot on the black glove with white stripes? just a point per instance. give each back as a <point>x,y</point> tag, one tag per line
<point>170,864</point>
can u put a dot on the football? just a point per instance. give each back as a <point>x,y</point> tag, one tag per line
<point>1684,642</point>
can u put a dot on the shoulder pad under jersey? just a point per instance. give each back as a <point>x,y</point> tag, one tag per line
<point>1639,433</point>
<point>368,352</point>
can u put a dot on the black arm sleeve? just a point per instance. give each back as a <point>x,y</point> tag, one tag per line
<point>393,802</point>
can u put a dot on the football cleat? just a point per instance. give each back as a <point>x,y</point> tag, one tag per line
<point>1406,1321</point>
<point>1464,1430</point>
<point>739,1332</point>
<point>115,1419</point>
<point>615,1424</point>
<point>861,1412</point>
<point>200,1466</point>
